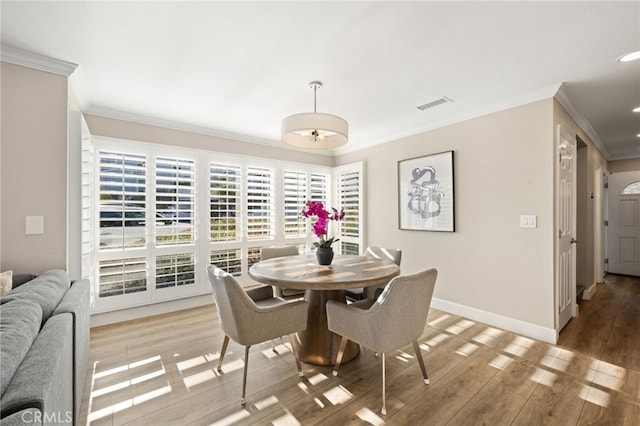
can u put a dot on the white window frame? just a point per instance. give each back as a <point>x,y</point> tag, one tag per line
<point>203,245</point>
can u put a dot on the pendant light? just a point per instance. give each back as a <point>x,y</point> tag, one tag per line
<point>314,130</point>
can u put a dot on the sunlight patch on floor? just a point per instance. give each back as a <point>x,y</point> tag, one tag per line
<point>129,403</point>
<point>125,367</point>
<point>467,349</point>
<point>487,335</point>
<point>318,402</point>
<point>519,346</point>
<point>190,363</point>
<point>287,420</point>
<point>460,326</point>
<point>228,367</point>
<point>267,402</point>
<point>150,395</point>
<point>595,396</point>
<point>557,358</point>
<point>232,419</point>
<point>338,395</point>
<point>543,377</point>
<point>609,376</point>
<point>101,391</point>
<point>436,340</point>
<point>148,376</point>
<point>318,378</point>
<point>439,320</point>
<point>404,357</point>
<point>277,351</point>
<point>198,378</point>
<point>368,416</point>
<point>501,362</point>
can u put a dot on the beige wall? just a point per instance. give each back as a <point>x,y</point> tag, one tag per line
<point>108,127</point>
<point>34,168</point>
<point>490,267</point>
<point>631,165</point>
<point>503,169</point>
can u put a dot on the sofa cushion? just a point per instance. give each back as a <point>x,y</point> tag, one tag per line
<point>30,416</point>
<point>19,325</point>
<point>44,379</point>
<point>46,289</point>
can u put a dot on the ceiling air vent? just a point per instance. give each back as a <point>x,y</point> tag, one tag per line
<point>435,103</point>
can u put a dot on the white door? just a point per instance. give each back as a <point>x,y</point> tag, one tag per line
<point>566,227</point>
<point>624,223</point>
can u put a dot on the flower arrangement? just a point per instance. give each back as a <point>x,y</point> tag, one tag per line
<point>317,209</point>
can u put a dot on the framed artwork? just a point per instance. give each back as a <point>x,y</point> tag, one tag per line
<point>425,193</point>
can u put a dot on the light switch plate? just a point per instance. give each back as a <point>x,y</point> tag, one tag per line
<point>34,225</point>
<point>528,221</point>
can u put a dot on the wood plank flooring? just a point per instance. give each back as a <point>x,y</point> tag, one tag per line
<point>161,371</point>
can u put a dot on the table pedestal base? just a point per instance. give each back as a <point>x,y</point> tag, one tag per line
<point>318,345</point>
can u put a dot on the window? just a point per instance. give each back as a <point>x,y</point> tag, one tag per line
<point>632,188</point>
<point>260,204</point>
<point>349,193</point>
<point>225,183</point>
<point>175,201</point>
<point>295,196</point>
<point>123,188</point>
<point>164,213</point>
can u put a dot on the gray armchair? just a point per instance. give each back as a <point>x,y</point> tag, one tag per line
<point>256,319</point>
<point>394,320</point>
<point>280,251</point>
<point>394,255</point>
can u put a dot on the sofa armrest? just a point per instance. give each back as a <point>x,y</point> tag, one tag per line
<point>76,302</point>
<point>44,379</point>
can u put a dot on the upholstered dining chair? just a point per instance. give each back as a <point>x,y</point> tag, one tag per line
<point>393,255</point>
<point>254,318</point>
<point>396,319</point>
<point>280,251</point>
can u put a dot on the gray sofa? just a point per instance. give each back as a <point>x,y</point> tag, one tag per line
<point>44,330</point>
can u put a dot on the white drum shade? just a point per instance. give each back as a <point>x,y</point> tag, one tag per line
<point>315,130</point>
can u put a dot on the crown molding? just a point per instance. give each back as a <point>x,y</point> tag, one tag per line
<point>523,99</point>
<point>33,60</point>
<point>191,128</point>
<point>563,99</point>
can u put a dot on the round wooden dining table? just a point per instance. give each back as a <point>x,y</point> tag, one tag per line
<point>318,345</point>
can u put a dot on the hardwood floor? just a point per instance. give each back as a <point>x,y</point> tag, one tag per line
<point>161,371</point>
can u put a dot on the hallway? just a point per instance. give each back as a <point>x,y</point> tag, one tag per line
<point>608,326</point>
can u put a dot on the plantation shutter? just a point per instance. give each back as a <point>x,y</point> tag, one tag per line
<point>349,188</point>
<point>225,183</point>
<point>318,188</point>
<point>260,204</point>
<point>122,218</point>
<point>175,201</point>
<point>295,196</point>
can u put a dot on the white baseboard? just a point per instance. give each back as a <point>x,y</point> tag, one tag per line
<point>137,312</point>
<point>534,331</point>
<point>589,292</point>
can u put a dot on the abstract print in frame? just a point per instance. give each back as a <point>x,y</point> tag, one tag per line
<point>425,193</point>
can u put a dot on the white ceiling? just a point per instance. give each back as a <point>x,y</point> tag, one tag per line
<point>237,68</point>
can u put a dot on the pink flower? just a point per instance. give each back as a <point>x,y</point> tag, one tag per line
<point>317,209</point>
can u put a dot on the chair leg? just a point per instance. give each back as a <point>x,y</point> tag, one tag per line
<point>225,343</point>
<point>244,375</point>
<point>343,345</point>
<point>384,382</point>
<point>416,348</point>
<point>294,348</point>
